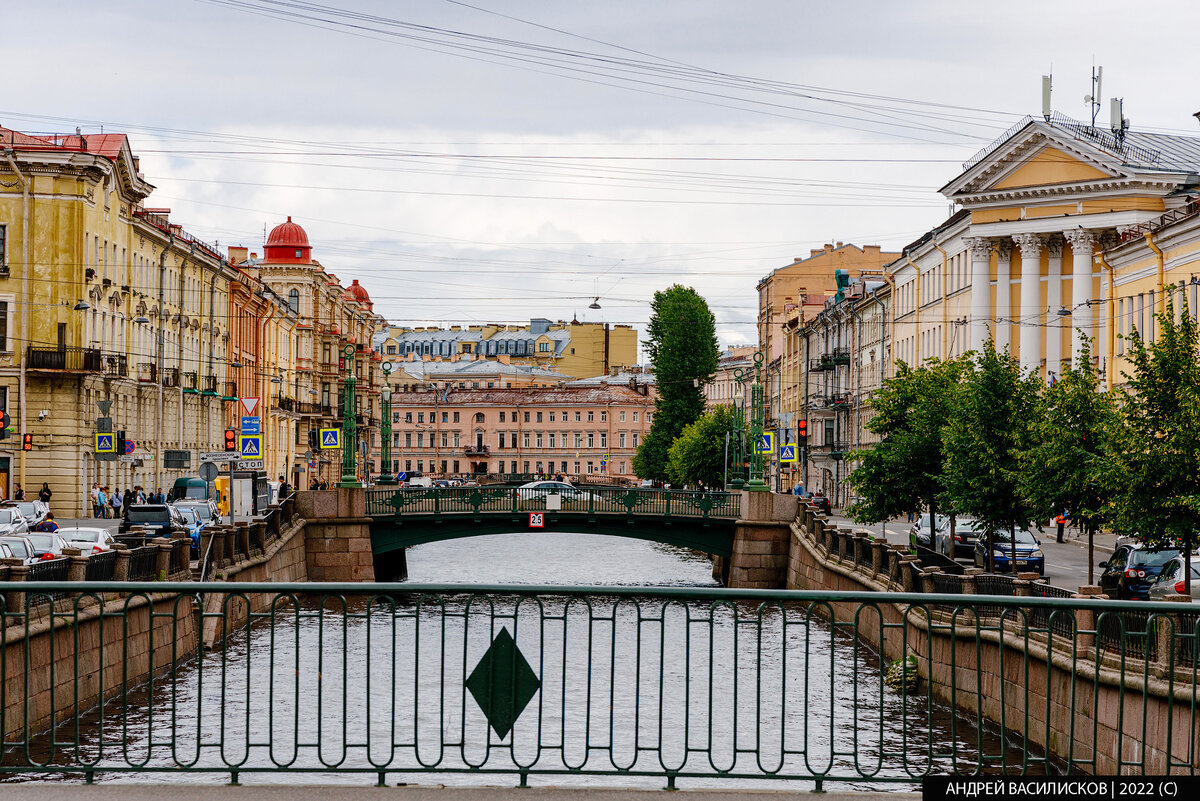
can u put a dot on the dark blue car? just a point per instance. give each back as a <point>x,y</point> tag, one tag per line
<point>1131,570</point>
<point>1029,552</point>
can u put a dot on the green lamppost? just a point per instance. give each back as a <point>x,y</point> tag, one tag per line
<point>757,464</point>
<point>385,430</point>
<point>349,445</point>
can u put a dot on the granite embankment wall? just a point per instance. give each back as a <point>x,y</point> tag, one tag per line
<point>1078,698</point>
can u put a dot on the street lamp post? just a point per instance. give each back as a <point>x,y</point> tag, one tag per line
<point>385,430</point>
<point>349,433</point>
<point>756,482</point>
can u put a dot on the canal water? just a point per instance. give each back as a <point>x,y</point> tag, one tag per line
<point>618,687</point>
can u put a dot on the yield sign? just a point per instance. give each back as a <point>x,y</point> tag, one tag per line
<point>249,404</point>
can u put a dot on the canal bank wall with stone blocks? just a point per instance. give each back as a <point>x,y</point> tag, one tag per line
<point>1107,692</point>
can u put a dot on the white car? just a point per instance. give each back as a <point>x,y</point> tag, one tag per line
<point>88,540</point>
<point>34,512</point>
<point>535,492</point>
<point>12,521</point>
<point>47,544</point>
<point>20,547</point>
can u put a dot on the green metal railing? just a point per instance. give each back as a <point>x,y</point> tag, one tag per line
<point>685,685</point>
<point>394,502</point>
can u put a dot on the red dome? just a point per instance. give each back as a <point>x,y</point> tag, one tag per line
<point>288,244</point>
<point>358,292</point>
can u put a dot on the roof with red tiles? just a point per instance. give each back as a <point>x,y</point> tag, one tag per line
<point>548,396</point>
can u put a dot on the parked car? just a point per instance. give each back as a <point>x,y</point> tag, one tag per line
<point>12,521</point>
<point>1170,580</point>
<point>47,544</point>
<point>194,524</point>
<point>966,532</point>
<point>1132,568</point>
<point>160,516</point>
<point>87,539</point>
<point>208,511</point>
<point>535,493</point>
<point>34,512</point>
<point>20,547</point>
<point>188,487</point>
<point>919,535</point>
<point>1029,552</point>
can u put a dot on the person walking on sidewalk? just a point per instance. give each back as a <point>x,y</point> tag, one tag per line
<point>44,493</point>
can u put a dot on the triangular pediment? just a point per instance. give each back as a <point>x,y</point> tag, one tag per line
<point>1036,156</point>
<point>1051,166</point>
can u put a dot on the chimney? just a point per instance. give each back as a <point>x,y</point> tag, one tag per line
<point>254,255</point>
<point>503,358</point>
<point>237,255</point>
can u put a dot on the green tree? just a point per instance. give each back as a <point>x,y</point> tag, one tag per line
<point>1068,465</point>
<point>682,346</point>
<point>1156,496</point>
<point>983,439</point>
<point>698,455</point>
<point>902,473</point>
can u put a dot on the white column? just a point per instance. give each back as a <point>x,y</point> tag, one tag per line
<point>981,302</point>
<point>1003,292</point>
<point>1082,241</point>
<point>1054,299</point>
<point>1031,301</point>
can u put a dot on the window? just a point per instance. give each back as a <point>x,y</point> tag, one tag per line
<point>539,439</point>
<point>395,417</point>
<point>591,416</point>
<point>622,416</point>
<point>420,465</point>
<point>474,385</point>
<point>590,467</point>
<point>445,439</point>
<point>3,240</point>
<point>526,417</point>
<point>500,439</point>
<point>552,439</point>
<point>421,439</point>
<point>391,349</point>
<point>635,439</point>
<point>648,416</point>
<point>491,385</point>
<point>443,465</point>
<point>539,415</point>
<point>603,439</point>
<point>455,465</point>
<point>525,440</point>
<point>408,439</point>
<point>420,417</point>
<point>456,417</point>
<point>408,465</point>
<point>479,417</point>
<point>591,440</point>
<point>457,439</point>
<point>543,347</point>
<point>621,439</point>
<point>577,468</point>
<point>604,417</point>
<point>4,325</point>
<point>445,417</point>
<point>578,444</point>
<point>551,417</point>
<point>635,414</point>
<point>408,417</point>
<point>294,307</point>
<point>501,417</point>
<point>576,420</point>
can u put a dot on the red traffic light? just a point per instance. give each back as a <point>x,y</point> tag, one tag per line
<point>27,442</point>
<point>231,439</point>
<point>4,422</point>
<point>802,430</point>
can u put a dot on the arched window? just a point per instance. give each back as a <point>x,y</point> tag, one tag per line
<point>479,417</point>
<point>294,301</point>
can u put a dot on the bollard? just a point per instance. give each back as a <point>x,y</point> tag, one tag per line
<point>14,602</point>
<point>1085,619</point>
<point>908,580</point>
<point>1168,645</point>
<point>162,561</point>
<point>879,562</point>
<point>259,531</point>
<point>77,570</point>
<point>231,540</point>
<point>1021,586</point>
<point>242,549</point>
<point>927,585</point>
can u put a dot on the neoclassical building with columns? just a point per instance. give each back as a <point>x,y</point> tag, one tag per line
<point>1024,258</point>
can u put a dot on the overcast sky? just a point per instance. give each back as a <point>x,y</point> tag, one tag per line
<point>487,161</point>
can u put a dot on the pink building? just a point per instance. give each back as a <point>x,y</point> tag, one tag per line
<point>575,431</point>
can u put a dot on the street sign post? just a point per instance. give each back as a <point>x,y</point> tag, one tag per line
<point>787,454</point>
<point>331,438</point>
<point>765,443</point>
<point>249,404</point>
<point>130,446</point>
<point>251,464</point>
<point>208,471</point>
<point>251,425</point>
<point>106,443</point>
<point>219,456</point>
<point>250,446</point>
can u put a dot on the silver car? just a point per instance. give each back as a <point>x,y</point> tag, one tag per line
<point>12,521</point>
<point>88,540</point>
<point>21,548</point>
<point>1170,580</point>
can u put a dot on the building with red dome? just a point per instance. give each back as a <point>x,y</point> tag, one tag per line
<point>329,317</point>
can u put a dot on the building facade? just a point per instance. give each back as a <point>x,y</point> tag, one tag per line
<point>573,431</point>
<point>579,350</point>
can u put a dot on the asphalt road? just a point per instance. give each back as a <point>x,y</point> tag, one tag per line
<point>1066,563</point>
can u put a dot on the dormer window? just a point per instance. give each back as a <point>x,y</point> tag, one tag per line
<point>299,253</point>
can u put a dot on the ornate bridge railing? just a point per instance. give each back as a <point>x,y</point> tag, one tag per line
<point>438,501</point>
<point>663,685</point>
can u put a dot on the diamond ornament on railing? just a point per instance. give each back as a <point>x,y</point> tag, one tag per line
<point>503,683</point>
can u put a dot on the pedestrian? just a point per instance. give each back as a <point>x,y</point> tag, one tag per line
<point>44,493</point>
<point>127,498</point>
<point>158,496</point>
<point>19,495</point>
<point>284,489</point>
<point>114,500</point>
<point>94,497</point>
<point>101,502</point>
<point>315,485</point>
<point>141,494</point>
<point>48,525</point>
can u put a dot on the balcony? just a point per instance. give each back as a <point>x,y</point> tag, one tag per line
<point>230,390</point>
<point>86,360</point>
<point>477,450</point>
<point>210,384</point>
<point>817,365</point>
<point>170,377</point>
<point>148,371</point>
<point>304,407</point>
<point>191,381</point>
<point>839,449</point>
<point>285,403</point>
<point>840,356</point>
<point>840,400</point>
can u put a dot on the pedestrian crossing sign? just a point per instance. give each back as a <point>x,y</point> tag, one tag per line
<point>787,453</point>
<point>251,446</point>
<point>765,443</point>
<point>331,438</point>
<point>106,443</point>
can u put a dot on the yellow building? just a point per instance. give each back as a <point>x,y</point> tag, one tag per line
<point>579,350</point>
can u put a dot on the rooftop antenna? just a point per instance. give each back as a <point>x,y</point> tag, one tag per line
<point>1093,100</point>
<point>1117,119</point>
<point>1047,88</point>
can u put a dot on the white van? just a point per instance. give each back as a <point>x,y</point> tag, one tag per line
<point>420,481</point>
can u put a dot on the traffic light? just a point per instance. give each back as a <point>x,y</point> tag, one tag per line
<point>231,439</point>
<point>120,442</point>
<point>27,442</point>
<point>313,439</point>
<point>802,431</point>
<point>5,424</point>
